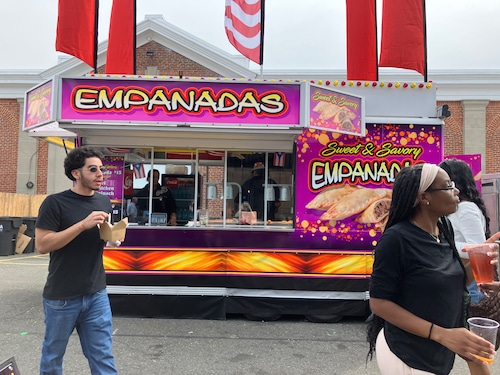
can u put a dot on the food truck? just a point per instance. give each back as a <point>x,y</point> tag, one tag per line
<point>329,152</point>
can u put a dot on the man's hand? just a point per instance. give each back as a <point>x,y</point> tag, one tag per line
<point>113,243</point>
<point>173,220</point>
<point>95,218</point>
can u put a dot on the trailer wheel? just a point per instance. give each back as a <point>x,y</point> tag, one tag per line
<point>270,317</point>
<point>324,318</point>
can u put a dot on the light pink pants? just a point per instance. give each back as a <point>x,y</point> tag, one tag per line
<point>389,363</point>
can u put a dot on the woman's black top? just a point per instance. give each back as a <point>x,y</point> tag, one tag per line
<point>426,278</point>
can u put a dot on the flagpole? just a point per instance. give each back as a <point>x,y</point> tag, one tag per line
<point>135,38</point>
<point>376,39</point>
<point>425,40</point>
<point>96,39</point>
<point>262,17</point>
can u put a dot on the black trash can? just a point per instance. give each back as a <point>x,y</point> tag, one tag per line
<point>9,226</point>
<point>30,232</point>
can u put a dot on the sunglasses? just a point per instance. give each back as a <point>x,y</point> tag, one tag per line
<point>451,186</point>
<point>95,168</point>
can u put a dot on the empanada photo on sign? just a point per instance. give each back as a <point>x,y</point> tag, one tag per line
<point>380,226</point>
<point>353,203</point>
<point>342,115</point>
<point>327,197</point>
<point>375,212</point>
<point>326,110</point>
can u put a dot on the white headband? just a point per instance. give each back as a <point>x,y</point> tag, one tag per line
<point>429,173</point>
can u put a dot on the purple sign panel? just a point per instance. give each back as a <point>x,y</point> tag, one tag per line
<point>202,101</point>
<point>38,107</point>
<point>474,161</point>
<point>112,185</point>
<point>345,182</point>
<point>336,111</point>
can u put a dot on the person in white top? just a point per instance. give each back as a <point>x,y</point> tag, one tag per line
<point>470,224</point>
<point>132,210</point>
<point>470,221</point>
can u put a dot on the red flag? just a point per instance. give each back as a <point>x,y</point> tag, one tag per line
<point>244,24</point>
<point>403,35</point>
<point>361,40</point>
<point>120,57</point>
<point>76,32</point>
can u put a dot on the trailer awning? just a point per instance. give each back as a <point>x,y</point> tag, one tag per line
<point>52,133</point>
<point>192,137</point>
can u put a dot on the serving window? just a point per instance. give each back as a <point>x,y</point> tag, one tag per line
<point>247,188</point>
<point>202,188</point>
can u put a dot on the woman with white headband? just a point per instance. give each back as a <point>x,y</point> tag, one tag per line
<point>418,285</point>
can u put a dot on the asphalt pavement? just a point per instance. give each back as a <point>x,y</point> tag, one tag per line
<point>236,346</point>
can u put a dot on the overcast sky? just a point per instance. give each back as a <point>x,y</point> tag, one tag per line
<point>299,34</point>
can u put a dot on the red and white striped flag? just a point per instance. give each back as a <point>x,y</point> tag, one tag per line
<point>120,150</point>
<point>139,171</point>
<point>279,159</point>
<point>244,24</point>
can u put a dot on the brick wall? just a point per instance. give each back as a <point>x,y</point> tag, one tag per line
<point>453,129</point>
<point>493,137</point>
<point>168,62</point>
<point>215,206</point>
<point>9,122</point>
<point>42,167</point>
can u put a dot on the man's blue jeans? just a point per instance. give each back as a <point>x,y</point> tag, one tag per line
<point>91,316</point>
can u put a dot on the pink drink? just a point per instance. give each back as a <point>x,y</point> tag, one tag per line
<point>482,269</point>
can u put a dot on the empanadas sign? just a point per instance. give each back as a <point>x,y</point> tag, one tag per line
<point>346,181</point>
<point>212,101</point>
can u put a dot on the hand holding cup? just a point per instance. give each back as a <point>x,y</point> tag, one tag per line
<point>480,256</point>
<point>485,328</point>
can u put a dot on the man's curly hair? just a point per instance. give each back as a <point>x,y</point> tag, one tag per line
<point>76,159</point>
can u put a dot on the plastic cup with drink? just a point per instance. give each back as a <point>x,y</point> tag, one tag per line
<point>485,328</point>
<point>480,261</point>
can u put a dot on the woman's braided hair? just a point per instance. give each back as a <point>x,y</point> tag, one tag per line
<point>404,195</point>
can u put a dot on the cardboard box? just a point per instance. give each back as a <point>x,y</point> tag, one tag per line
<point>22,240</point>
<point>113,233</point>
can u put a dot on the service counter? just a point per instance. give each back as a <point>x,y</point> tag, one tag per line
<point>227,224</point>
<point>209,272</point>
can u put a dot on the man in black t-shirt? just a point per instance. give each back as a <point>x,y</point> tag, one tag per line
<point>75,295</point>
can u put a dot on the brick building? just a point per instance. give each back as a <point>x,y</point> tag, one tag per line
<point>473,98</point>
